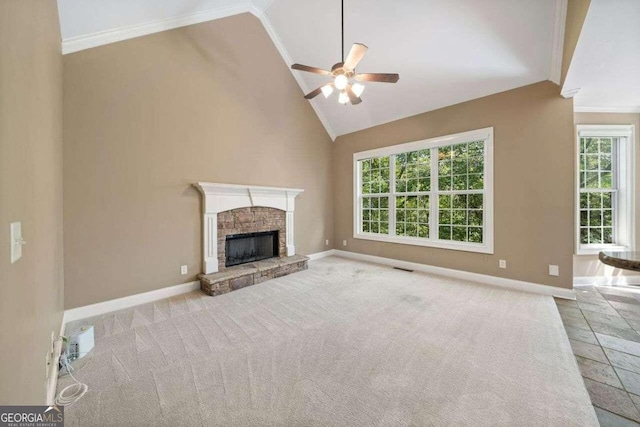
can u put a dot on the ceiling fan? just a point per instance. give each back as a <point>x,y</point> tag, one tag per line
<point>344,72</point>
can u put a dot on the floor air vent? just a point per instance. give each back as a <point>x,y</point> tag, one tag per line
<point>403,269</point>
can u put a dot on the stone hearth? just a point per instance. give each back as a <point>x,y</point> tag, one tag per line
<point>244,275</point>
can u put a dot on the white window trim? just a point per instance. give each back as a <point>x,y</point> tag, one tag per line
<point>486,247</point>
<point>625,175</point>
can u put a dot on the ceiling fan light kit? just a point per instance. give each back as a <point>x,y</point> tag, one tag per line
<point>344,74</point>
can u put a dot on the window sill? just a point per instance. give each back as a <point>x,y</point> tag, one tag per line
<point>440,244</point>
<point>598,249</point>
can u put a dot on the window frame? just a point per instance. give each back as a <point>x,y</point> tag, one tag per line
<point>624,177</point>
<point>486,247</point>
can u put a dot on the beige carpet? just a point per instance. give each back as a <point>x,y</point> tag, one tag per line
<point>343,343</point>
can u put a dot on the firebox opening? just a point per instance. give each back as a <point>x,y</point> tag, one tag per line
<point>250,247</point>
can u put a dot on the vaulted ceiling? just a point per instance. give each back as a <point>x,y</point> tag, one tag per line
<point>446,52</point>
<point>605,69</point>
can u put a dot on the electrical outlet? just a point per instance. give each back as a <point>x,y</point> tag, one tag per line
<point>344,243</point>
<point>554,270</point>
<point>183,270</point>
<point>326,242</point>
<point>502,263</point>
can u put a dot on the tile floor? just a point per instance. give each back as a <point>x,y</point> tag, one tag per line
<point>603,326</point>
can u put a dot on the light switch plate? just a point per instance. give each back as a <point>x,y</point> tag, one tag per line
<point>554,270</point>
<point>16,241</point>
<point>183,269</point>
<point>502,263</point>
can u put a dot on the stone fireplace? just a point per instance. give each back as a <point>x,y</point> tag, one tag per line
<point>246,231</point>
<point>241,208</point>
<point>247,235</point>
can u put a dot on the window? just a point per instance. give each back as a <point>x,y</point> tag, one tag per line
<point>437,192</point>
<point>605,189</point>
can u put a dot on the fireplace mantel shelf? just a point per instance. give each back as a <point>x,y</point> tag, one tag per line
<point>224,197</point>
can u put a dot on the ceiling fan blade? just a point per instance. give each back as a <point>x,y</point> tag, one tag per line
<point>377,77</point>
<point>314,93</point>
<point>355,99</point>
<point>310,69</point>
<point>355,55</point>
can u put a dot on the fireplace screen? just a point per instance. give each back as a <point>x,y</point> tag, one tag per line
<point>249,247</point>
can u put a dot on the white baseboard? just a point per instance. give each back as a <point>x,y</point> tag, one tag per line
<point>464,275</point>
<point>607,280</point>
<point>126,302</point>
<point>320,255</point>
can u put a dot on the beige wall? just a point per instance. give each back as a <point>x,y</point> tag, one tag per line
<point>589,265</point>
<point>147,117</point>
<point>31,290</point>
<point>533,145</point>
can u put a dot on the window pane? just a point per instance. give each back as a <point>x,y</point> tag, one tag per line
<point>475,217</point>
<point>475,234</point>
<point>475,201</point>
<point>459,234</point>
<point>591,145</point>
<point>584,200</point>
<point>596,218</point>
<point>591,179</point>
<point>444,183</point>
<point>444,216</point>
<point>584,236</point>
<point>412,216</point>
<point>459,217</point>
<point>444,201</point>
<point>375,214</point>
<point>375,175</point>
<point>413,171</point>
<point>461,167</point>
<point>444,232</point>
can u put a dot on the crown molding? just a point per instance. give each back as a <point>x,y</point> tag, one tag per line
<point>102,38</point>
<point>569,93</point>
<point>582,109</point>
<point>266,23</point>
<point>89,41</point>
<point>557,48</point>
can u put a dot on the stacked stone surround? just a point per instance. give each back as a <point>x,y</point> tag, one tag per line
<point>240,276</point>
<point>250,220</point>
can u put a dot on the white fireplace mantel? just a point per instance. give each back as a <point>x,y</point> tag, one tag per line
<point>224,197</point>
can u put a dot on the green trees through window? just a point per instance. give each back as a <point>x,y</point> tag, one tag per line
<point>597,190</point>
<point>433,193</point>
